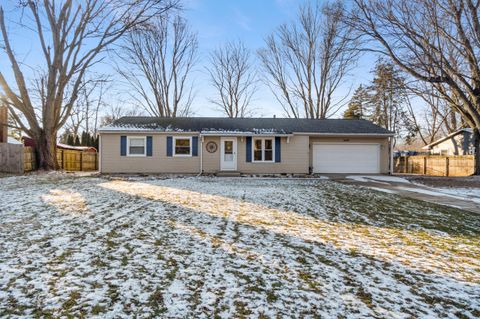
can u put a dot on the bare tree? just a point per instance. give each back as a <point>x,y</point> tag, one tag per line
<point>306,61</point>
<point>233,77</point>
<point>114,112</point>
<point>86,110</point>
<point>72,36</point>
<point>436,118</point>
<point>435,41</point>
<point>159,60</point>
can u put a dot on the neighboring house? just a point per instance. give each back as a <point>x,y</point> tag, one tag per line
<point>456,143</point>
<point>243,145</point>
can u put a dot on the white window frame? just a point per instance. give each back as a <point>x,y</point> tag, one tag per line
<point>174,143</point>
<point>144,146</point>
<point>263,149</point>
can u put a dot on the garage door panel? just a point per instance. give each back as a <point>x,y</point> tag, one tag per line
<point>346,158</point>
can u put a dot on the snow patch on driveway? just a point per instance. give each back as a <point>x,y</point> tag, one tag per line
<point>382,179</point>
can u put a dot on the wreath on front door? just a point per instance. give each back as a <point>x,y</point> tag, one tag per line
<point>211,147</point>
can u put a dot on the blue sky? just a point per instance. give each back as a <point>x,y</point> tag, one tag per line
<point>250,21</point>
<point>216,22</point>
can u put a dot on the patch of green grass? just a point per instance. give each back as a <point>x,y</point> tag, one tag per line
<point>241,309</point>
<point>98,309</point>
<point>173,266</point>
<point>365,296</point>
<point>156,302</point>
<point>72,301</point>
<point>271,296</point>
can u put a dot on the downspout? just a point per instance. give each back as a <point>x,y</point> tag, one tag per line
<point>391,155</point>
<point>99,154</point>
<point>201,156</point>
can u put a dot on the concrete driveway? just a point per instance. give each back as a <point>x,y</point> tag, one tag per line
<point>404,187</point>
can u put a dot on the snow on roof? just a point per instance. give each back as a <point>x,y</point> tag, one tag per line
<point>210,125</point>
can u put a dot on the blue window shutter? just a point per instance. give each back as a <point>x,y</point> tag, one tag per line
<point>149,146</point>
<point>169,145</point>
<point>195,146</point>
<point>123,146</point>
<point>278,149</point>
<point>249,149</point>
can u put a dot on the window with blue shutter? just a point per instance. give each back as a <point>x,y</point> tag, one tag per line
<point>195,146</point>
<point>169,145</point>
<point>249,149</point>
<point>149,146</point>
<point>278,149</point>
<point>123,146</point>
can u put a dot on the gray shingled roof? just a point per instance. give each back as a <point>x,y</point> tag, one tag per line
<point>251,125</point>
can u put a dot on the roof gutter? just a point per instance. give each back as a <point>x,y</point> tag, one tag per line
<point>242,134</point>
<point>346,134</point>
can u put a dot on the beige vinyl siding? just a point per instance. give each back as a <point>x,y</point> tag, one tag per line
<point>294,158</point>
<point>211,161</point>
<point>159,162</point>
<point>383,141</point>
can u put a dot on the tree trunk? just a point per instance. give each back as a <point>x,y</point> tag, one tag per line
<point>476,144</point>
<point>46,150</point>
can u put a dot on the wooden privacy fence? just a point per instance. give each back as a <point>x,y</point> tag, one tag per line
<point>11,158</point>
<point>69,160</point>
<point>435,165</point>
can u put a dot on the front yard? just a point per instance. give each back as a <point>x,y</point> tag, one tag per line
<point>230,248</point>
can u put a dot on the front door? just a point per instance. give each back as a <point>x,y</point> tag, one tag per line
<point>228,153</point>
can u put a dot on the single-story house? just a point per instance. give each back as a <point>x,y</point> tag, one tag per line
<point>192,145</point>
<point>457,143</point>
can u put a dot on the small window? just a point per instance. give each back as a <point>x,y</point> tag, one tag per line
<point>136,146</point>
<point>268,151</point>
<point>182,146</point>
<point>257,152</point>
<point>263,150</point>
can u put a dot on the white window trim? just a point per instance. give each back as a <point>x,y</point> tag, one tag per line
<point>175,138</point>
<point>263,149</point>
<point>144,146</point>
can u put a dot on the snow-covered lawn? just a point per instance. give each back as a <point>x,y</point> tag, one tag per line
<point>230,248</point>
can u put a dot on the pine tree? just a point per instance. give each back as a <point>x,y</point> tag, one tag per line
<point>357,108</point>
<point>77,141</point>
<point>70,139</point>
<point>388,96</point>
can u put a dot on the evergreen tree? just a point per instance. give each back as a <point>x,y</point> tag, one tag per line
<point>70,139</point>
<point>357,108</point>
<point>64,137</point>
<point>77,141</point>
<point>84,139</point>
<point>387,96</point>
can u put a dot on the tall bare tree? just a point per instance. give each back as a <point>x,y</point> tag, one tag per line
<point>307,60</point>
<point>114,112</point>
<point>72,36</point>
<point>435,41</point>
<point>232,76</point>
<point>86,110</point>
<point>158,62</point>
<point>433,117</point>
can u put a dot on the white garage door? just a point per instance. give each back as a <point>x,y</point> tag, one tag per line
<point>346,158</point>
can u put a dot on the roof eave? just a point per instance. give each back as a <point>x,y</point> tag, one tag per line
<point>346,134</point>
